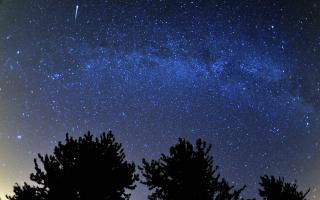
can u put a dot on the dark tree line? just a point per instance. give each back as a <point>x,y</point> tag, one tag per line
<point>186,173</point>
<point>91,168</point>
<point>84,168</point>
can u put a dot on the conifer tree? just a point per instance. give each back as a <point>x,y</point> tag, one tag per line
<point>83,168</point>
<point>187,173</point>
<point>277,189</point>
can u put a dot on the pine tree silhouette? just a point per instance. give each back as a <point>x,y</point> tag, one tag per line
<point>277,189</point>
<point>84,168</point>
<point>186,173</point>
<point>26,192</point>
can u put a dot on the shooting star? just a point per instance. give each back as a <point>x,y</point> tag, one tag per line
<point>76,13</point>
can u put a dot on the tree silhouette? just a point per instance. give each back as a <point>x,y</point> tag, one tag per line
<point>26,192</point>
<point>83,168</point>
<point>186,173</point>
<point>277,189</point>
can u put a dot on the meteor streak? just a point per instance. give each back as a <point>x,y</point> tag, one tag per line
<point>76,13</point>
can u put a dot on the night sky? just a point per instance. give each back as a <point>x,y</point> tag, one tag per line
<point>243,75</point>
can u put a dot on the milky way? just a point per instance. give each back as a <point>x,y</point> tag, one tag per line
<point>243,75</point>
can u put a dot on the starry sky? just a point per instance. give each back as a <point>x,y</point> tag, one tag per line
<point>243,75</point>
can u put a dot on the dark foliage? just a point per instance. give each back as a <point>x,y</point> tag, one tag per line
<point>277,189</point>
<point>84,168</point>
<point>26,192</point>
<point>187,173</point>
